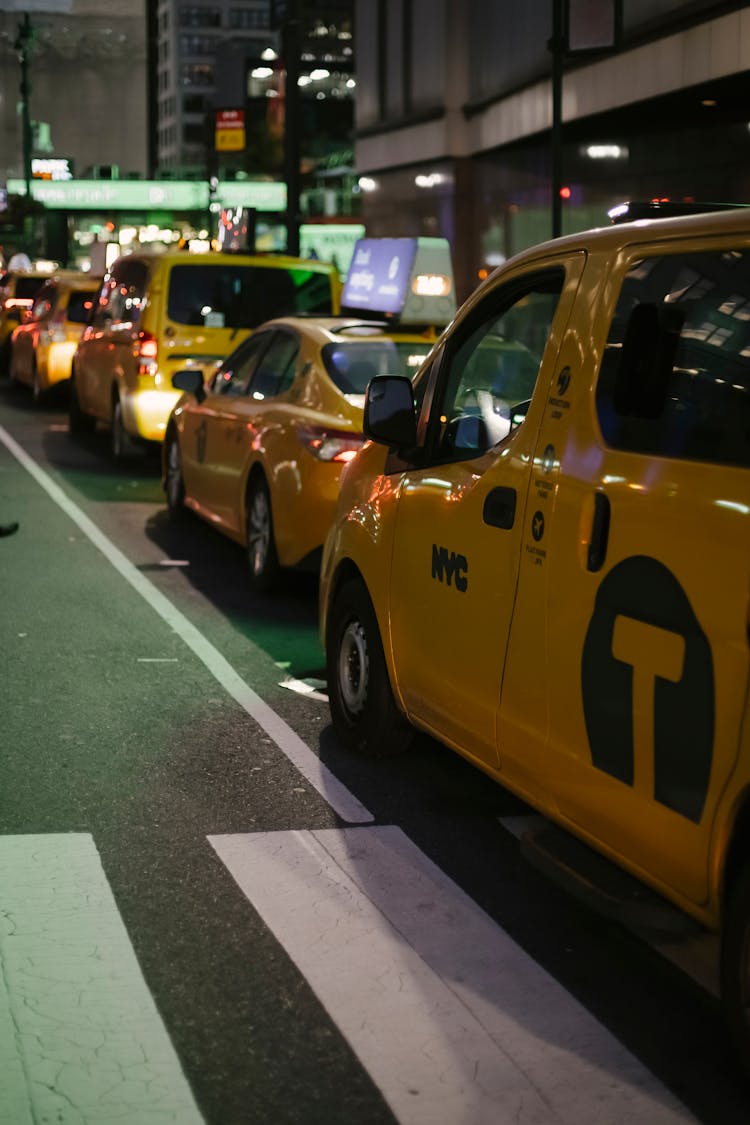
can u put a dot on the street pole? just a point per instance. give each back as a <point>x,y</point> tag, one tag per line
<point>557,46</point>
<point>291,46</point>
<point>22,45</point>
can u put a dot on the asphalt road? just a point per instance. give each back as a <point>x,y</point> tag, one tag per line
<point>293,956</point>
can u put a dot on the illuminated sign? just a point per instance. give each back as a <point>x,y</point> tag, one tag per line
<point>51,168</point>
<point>147,195</point>
<point>408,278</point>
<point>230,130</point>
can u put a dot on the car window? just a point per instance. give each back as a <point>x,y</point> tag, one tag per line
<point>489,372</point>
<point>80,302</point>
<point>675,373</point>
<point>275,370</point>
<point>227,295</point>
<point>127,288</point>
<point>44,302</point>
<point>352,365</point>
<point>233,375</point>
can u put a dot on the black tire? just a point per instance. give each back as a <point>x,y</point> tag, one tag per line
<point>735,968</point>
<point>174,484</point>
<point>364,712</point>
<point>78,421</point>
<point>37,391</point>
<point>121,444</point>
<point>262,558</point>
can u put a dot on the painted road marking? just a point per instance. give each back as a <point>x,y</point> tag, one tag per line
<point>80,1036</point>
<point>310,689</point>
<point>455,1024</point>
<point>344,803</point>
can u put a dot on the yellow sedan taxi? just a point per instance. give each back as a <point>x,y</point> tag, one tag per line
<point>258,452</point>
<point>542,558</point>
<point>42,347</point>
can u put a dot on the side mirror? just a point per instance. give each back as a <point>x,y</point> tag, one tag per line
<point>390,414</point>
<point>190,380</point>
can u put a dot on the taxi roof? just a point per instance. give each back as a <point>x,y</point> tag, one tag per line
<point>614,236</point>
<point>325,329</point>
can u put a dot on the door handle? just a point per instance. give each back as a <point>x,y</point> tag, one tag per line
<point>599,532</point>
<point>500,508</point>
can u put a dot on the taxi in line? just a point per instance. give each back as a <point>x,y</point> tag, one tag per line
<point>258,450</point>
<point>541,556</point>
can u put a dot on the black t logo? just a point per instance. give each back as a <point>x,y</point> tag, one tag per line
<point>647,679</point>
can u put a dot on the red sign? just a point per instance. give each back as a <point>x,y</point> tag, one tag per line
<point>230,130</point>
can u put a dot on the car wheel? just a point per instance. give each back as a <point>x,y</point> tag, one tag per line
<point>364,712</point>
<point>735,968</point>
<point>36,386</point>
<point>78,421</point>
<point>121,444</point>
<point>174,484</point>
<point>261,544</point>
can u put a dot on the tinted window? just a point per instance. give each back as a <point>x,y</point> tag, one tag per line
<point>79,307</point>
<point>28,287</point>
<point>491,367</point>
<point>234,296</point>
<point>351,366</point>
<point>275,370</point>
<point>233,375</point>
<point>675,375</point>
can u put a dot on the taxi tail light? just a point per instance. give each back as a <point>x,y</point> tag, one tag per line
<point>330,445</point>
<point>148,352</point>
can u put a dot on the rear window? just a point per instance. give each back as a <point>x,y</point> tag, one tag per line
<point>79,305</point>
<point>234,296</point>
<point>351,366</point>
<point>28,287</point>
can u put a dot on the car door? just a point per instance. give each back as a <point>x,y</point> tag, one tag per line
<point>203,438</point>
<point>246,424</point>
<point>648,563</point>
<point>461,515</point>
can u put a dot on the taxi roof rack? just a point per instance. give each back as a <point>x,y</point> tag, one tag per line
<point>665,209</point>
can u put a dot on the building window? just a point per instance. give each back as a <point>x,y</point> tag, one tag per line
<point>198,44</point>
<point>248,18</point>
<point>197,74</point>
<point>194,103</point>
<point>199,16</point>
<point>193,134</point>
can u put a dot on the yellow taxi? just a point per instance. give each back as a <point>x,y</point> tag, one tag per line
<point>546,565</point>
<point>258,452</point>
<point>42,347</point>
<point>158,313</point>
<point>17,291</point>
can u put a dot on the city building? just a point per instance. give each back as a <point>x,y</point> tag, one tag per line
<point>455,115</point>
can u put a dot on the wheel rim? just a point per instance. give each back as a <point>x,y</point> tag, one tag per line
<point>259,532</point>
<point>174,474</point>
<point>354,668</point>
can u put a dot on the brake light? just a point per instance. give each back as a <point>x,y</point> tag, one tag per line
<point>330,445</point>
<point>148,351</point>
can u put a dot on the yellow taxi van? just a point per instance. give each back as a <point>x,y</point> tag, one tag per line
<point>157,313</point>
<point>542,558</point>
<point>258,450</point>
<point>42,346</point>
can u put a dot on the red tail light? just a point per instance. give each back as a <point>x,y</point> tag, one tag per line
<point>148,351</point>
<point>330,445</point>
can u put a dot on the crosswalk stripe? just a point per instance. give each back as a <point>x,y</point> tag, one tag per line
<point>452,1020</point>
<point>80,1036</point>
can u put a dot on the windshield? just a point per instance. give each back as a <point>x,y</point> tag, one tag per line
<point>234,296</point>
<point>352,365</point>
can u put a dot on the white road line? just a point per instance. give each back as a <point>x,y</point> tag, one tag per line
<point>344,803</point>
<point>80,1036</point>
<point>455,1024</point>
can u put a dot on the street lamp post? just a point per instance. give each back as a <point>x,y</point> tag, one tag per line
<point>23,45</point>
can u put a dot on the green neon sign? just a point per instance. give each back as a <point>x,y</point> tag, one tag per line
<point>147,195</point>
